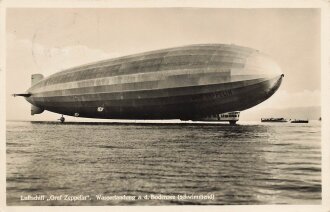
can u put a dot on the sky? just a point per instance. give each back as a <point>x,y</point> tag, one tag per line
<point>50,40</point>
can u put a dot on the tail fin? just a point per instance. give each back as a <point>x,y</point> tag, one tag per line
<point>21,94</point>
<point>35,78</point>
<point>36,110</point>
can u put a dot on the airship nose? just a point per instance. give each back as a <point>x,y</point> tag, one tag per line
<point>259,64</point>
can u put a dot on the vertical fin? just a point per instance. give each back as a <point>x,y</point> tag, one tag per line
<point>36,110</point>
<point>35,78</point>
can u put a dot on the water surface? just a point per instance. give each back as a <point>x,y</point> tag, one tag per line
<point>251,163</point>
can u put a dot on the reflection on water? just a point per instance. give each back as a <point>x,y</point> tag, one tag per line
<point>245,164</point>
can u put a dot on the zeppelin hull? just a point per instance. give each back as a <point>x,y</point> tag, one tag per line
<point>184,103</point>
<point>185,82</point>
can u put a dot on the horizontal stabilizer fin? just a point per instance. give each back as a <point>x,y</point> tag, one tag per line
<point>21,94</point>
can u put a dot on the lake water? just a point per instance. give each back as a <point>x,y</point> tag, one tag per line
<point>163,164</point>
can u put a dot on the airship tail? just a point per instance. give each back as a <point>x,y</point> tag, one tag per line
<point>35,78</point>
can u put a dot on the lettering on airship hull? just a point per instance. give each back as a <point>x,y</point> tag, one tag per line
<point>187,81</point>
<point>215,95</point>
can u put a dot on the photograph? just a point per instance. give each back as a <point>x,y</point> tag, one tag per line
<point>163,106</point>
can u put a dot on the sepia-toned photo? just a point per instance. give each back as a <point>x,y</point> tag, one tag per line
<point>160,106</point>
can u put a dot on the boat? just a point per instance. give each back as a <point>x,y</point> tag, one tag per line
<point>273,120</point>
<point>231,117</point>
<point>299,121</point>
<point>188,83</point>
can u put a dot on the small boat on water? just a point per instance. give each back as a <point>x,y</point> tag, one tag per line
<point>231,117</point>
<point>273,120</point>
<point>299,121</point>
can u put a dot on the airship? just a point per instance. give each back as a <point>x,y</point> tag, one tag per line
<point>187,82</point>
